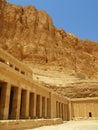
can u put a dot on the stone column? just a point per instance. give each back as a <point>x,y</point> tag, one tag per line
<point>60,110</point>
<point>57,109</point>
<point>52,106</point>
<point>34,108</point>
<point>25,104</point>
<point>18,103</point>
<point>40,107</point>
<point>69,111</point>
<point>63,111</point>
<point>48,108</point>
<point>45,107</point>
<point>32,105</point>
<point>5,98</point>
<point>15,114</point>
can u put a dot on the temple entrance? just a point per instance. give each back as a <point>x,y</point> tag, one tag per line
<point>90,114</point>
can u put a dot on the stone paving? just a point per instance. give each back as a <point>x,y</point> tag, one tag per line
<point>73,125</point>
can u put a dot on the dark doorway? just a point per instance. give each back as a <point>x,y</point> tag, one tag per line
<point>90,114</point>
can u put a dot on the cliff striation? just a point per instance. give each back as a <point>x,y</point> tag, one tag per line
<point>29,35</point>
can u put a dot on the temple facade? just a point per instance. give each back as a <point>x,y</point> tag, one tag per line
<point>22,98</point>
<point>84,108</point>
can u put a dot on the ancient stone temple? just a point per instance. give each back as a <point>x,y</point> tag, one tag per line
<point>22,98</point>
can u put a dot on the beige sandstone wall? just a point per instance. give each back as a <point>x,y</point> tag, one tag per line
<point>27,124</point>
<point>85,108</point>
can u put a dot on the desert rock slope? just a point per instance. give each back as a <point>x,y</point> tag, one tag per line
<point>59,60</point>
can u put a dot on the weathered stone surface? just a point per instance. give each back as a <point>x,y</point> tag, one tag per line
<point>27,124</point>
<point>29,35</point>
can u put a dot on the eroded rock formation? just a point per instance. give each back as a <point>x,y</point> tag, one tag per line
<point>29,35</point>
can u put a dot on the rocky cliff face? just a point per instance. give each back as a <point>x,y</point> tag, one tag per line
<point>29,35</point>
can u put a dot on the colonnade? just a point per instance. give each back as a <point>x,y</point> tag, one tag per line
<point>17,103</point>
<point>61,110</point>
<point>22,98</point>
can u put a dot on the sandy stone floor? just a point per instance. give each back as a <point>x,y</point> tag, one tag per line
<point>72,125</point>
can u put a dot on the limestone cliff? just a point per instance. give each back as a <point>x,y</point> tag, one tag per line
<point>29,35</point>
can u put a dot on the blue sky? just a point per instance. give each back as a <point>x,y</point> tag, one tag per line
<point>79,17</point>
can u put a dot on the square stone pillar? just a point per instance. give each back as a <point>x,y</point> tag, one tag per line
<point>52,106</point>
<point>69,111</point>
<point>40,107</point>
<point>48,108</point>
<point>27,104</point>
<point>32,106</point>
<point>15,114</point>
<point>60,110</point>
<point>45,107</point>
<point>24,114</point>
<point>63,111</point>
<point>57,109</point>
<point>4,102</point>
<point>18,103</point>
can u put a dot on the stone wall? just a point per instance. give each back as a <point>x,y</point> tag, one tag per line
<point>85,108</point>
<point>27,124</point>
